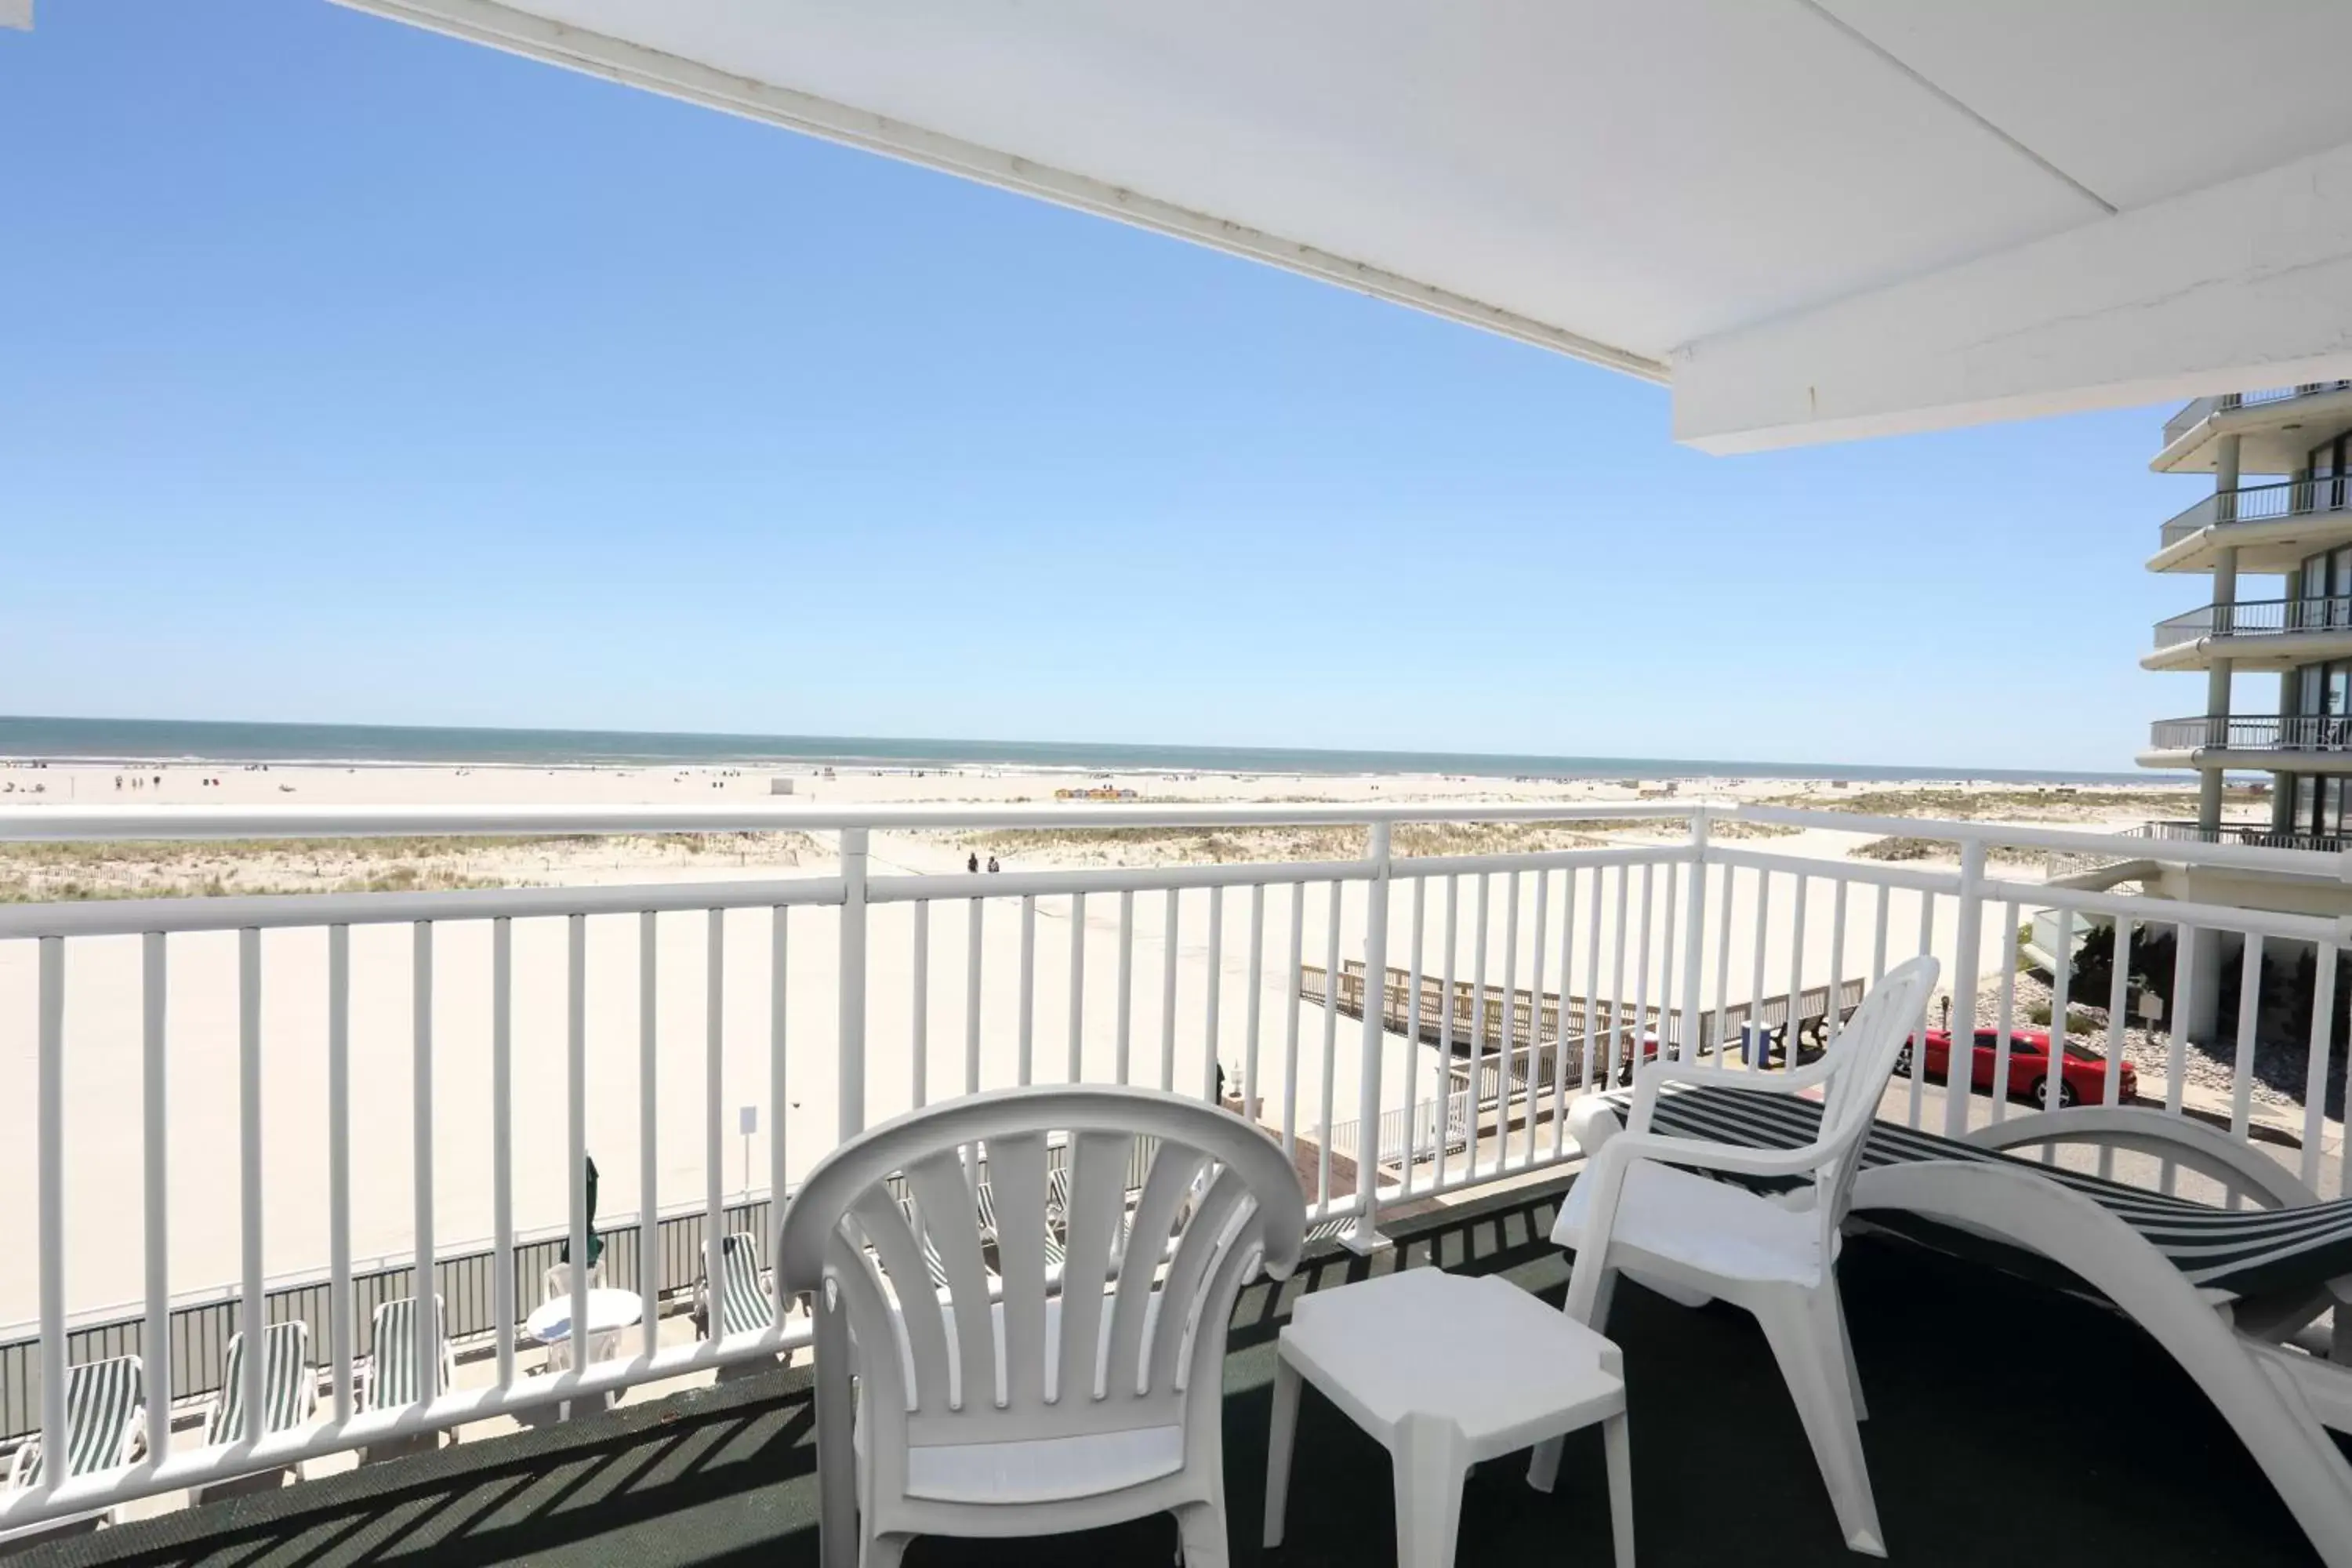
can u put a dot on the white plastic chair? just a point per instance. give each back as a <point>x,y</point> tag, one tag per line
<point>1641,1208</point>
<point>1080,1397</point>
<point>602,1345</point>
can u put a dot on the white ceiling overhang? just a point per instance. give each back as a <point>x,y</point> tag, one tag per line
<point>1814,220</point>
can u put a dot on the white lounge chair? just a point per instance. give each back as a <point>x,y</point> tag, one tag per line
<point>1642,1208</point>
<point>394,1378</point>
<point>743,1307</point>
<point>1046,1410</point>
<point>2232,1293</point>
<point>104,1402</point>
<point>289,1395</point>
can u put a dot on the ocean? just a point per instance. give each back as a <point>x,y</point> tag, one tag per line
<point>176,739</point>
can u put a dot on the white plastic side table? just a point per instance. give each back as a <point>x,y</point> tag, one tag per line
<point>1447,1369</point>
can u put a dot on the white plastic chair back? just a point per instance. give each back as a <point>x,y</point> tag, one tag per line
<point>1864,1053</point>
<point>1109,1346</point>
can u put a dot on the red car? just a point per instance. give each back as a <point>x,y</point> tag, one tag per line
<point>2082,1081</point>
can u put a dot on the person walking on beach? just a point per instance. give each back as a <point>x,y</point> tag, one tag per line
<point>992,866</point>
<point>971,862</point>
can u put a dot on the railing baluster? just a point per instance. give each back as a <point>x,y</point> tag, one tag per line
<point>252,1307</point>
<point>649,1258</point>
<point>2241,1074</point>
<point>714,1082</point>
<point>1507,1043</point>
<point>1753,1052</point>
<point>1617,1043</point>
<point>503,1307</point>
<point>1642,976</point>
<point>975,914</point>
<point>575,1098</point>
<point>1364,1235</point>
<point>851,1049</point>
<point>1560,1019</point>
<point>1217,988</point>
<point>1168,998</point>
<point>1666,1050</point>
<point>1793,1027</point>
<point>1125,1035</point>
<point>1835,1024</point>
<point>2314,1081</point>
<point>1533,1096</point>
<point>156,1339</point>
<point>1250,1106</point>
<point>424,1324</point>
<point>1723,964</point>
<point>2002,1038</point>
<point>1077,1064</point>
<point>1919,1030</point>
<point>2061,985</point>
<point>1290,1028</point>
<point>1479,1029</point>
<point>1330,1046</point>
<point>1413,1037</point>
<point>52,1200</point>
<point>779,1086</point>
<point>1588,1014</point>
<point>1445,1041</point>
<point>919,1003</point>
<point>1024,1067</point>
<point>1968,943</point>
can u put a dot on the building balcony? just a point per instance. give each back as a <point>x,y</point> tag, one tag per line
<point>2276,427</point>
<point>2261,834</point>
<point>2258,743</point>
<point>342,1095</point>
<point>2254,633</point>
<point>2271,526</point>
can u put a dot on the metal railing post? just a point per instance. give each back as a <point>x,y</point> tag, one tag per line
<point>1364,1235</point>
<point>1694,934</point>
<point>851,1055</point>
<point>1957,1083</point>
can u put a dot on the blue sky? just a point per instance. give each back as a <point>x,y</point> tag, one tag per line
<point>349,374</point>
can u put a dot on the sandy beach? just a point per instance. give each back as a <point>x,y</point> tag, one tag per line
<point>959,1049</point>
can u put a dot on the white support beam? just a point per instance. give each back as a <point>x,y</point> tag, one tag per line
<point>2245,283</point>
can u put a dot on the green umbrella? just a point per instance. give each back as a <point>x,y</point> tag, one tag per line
<point>596,1242</point>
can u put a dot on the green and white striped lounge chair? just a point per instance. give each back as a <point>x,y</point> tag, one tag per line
<point>288,1391</point>
<point>2232,1293</point>
<point>104,1400</point>
<point>744,1305</point>
<point>392,1373</point>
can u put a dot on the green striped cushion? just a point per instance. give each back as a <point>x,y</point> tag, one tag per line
<point>743,1307</point>
<point>101,1399</point>
<point>392,1380</point>
<point>2247,1252</point>
<point>284,1384</point>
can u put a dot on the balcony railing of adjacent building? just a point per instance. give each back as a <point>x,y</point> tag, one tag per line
<point>2204,408</point>
<point>2258,503</point>
<point>458,1027</point>
<point>2257,834</point>
<point>2256,618</point>
<point>2252,733</point>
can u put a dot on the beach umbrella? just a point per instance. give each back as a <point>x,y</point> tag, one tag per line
<point>596,1242</point>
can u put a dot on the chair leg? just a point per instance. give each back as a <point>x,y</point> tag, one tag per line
<point>1618,1449</point>
<point>1280,1437</point>
<point>1845,1347</point>
<point>1200,1535</point>
<point>1801,1329</point>
<point>882,1551</point>
<point>1429,1461</point>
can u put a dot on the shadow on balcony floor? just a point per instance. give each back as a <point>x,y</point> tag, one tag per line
<point>2010,1424</point>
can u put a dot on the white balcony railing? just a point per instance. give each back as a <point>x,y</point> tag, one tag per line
<point>2258,503</point>
<point>360,1078</point>
<point>2252,733</point>
<point>2197,411</point>
<point>2256,618</point>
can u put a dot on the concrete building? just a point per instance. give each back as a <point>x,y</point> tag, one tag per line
<point>2278,515</point>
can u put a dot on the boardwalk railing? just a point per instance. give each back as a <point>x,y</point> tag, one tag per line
<point>199,1079</point>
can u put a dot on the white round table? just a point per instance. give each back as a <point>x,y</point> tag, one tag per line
<point>550,1322</point>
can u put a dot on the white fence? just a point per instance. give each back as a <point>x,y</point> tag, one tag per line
<point>482,1036</point>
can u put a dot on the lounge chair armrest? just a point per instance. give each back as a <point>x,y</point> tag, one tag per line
<point>2163,1134</point>
<point>1654,1076</point>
